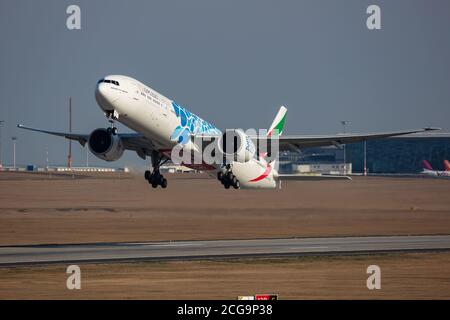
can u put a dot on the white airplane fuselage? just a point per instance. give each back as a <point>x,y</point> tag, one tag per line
<point>436,173</point>
<point>165,123</point>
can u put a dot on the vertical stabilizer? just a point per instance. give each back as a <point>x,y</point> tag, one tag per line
<point>278,123</point>
<point>426,165</point>
<point>447,165</point>
<point>276,129</point>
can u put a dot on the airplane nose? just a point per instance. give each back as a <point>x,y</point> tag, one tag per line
<point>105,96</point>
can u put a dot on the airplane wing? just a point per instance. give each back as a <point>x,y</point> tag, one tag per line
<point>81,138</point>
<point>295,143</point>
<point>312,177</point>
<point>131,141</point>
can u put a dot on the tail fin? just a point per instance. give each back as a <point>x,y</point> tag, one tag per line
<point>426,165</point>
<point>276,129</point>
<point>447,165</point>
<point>278,123</point>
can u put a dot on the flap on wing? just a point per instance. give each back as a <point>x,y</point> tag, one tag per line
<point>301,142</point>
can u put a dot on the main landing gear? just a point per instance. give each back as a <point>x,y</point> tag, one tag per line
<point>155,178</point>
<point>228,179</point>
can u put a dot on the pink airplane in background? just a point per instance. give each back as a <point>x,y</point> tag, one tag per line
<point>447,165</point>
<point>428,169</point>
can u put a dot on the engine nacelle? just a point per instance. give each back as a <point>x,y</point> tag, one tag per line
<point>105,145</point>
<point>236,146</point>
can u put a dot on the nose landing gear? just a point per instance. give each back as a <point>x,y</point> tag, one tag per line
<point>112,129</point>
<point>228,179</point>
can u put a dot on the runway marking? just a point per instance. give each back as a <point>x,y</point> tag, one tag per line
<point>307,248</point>
<point>164,244</point>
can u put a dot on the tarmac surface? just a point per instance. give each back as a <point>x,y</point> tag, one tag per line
<point>185,250</point>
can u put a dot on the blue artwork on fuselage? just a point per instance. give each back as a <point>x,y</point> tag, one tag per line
<point>190,124</point>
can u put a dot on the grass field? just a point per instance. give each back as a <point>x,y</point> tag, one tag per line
<point>38,208</point>
<point>61,208</point>
<point>403,276</point>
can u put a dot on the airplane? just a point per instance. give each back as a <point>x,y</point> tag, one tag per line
<point>429,171</point>
<point>447,165</point>
<point>160,124</point>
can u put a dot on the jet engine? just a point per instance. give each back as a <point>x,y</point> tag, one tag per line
<point>105,145</point>
<point>236,146</point>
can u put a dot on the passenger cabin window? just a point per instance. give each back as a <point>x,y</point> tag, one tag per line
<point>109,81</point>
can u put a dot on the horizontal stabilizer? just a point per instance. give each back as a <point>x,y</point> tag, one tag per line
<point>309,177</point>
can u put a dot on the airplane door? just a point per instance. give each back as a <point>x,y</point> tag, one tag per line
<point>136,93</point>
<point>165,110</point>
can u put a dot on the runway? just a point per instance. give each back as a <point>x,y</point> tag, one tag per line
<point>184,250</point>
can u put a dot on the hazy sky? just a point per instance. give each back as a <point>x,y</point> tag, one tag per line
<point>230,62</point>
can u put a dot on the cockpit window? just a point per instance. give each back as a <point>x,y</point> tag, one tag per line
<point>109,81</point>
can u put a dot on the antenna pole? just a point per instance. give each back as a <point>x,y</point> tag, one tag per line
<point>69,157</point>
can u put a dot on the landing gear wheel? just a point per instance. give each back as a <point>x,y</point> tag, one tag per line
<point>155,178</point>
<point>228,179</point>
<point>112,130</point>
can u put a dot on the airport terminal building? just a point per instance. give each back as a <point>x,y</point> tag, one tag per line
<point>396,155</point>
